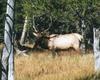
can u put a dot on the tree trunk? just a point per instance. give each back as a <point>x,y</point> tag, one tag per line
<point>7,58</point>
<point>96,48</point>
<point>83,47</point>
<point>22,40</point>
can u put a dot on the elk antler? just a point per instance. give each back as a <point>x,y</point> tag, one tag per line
<point>49,25</point>
<point>34,26</point>
<point>43,33</point>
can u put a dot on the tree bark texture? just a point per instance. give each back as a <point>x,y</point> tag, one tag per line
<point>22,40</point>
<point>96,48</point>
<point>7,59</point>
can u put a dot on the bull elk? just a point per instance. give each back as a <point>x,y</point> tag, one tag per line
<point>58,41</point>
<point>62,41</point>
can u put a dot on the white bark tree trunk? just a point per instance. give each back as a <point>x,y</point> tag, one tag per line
<point>83,47</point>
<point>22,40</point>
<point>96,47</point>
<point>7,59</point>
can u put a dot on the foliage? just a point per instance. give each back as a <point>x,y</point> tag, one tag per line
<point>19,16</point>
<point>61,16</point>
<point>2,15</point>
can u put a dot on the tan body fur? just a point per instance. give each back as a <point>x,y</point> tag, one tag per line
<point>65,41</point>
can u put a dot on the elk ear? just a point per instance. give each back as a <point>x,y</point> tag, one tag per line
<point>35,34</point>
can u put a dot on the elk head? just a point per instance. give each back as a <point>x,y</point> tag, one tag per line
<point>41,38</point>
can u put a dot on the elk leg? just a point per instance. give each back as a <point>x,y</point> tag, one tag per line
<point>55,52</point>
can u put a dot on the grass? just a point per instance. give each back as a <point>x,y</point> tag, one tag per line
<point>42,66</point>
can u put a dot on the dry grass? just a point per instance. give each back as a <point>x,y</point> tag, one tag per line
<point>42,66</point>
